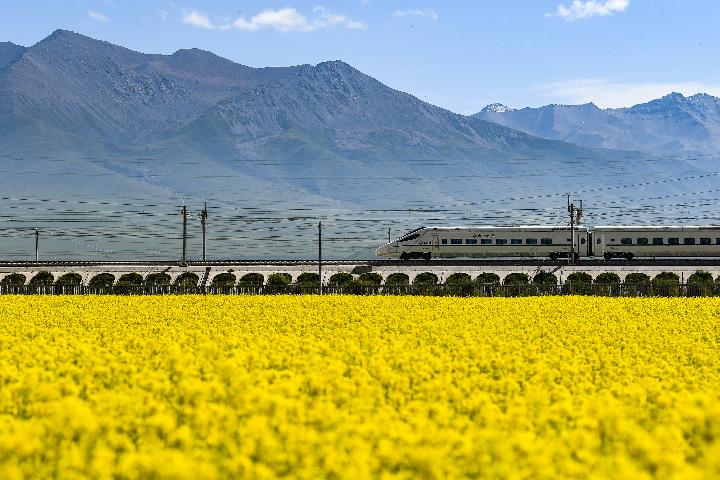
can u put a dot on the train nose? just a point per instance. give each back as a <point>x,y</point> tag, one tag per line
<point>382,251</point>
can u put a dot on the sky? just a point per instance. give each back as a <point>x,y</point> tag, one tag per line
<point>460,55</point>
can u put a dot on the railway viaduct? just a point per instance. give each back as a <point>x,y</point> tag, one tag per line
<point>442,268</point>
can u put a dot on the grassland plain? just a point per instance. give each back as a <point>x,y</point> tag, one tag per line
<point>359,387</point>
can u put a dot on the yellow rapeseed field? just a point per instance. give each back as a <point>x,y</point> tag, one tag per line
<point>359,387</point>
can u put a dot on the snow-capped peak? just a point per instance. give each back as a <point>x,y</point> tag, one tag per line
<point>497,108</point>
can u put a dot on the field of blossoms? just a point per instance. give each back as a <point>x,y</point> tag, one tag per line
<point>358,387</point>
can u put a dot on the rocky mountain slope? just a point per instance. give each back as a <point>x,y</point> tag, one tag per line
<point>673,124</point>
<point>100,145</point>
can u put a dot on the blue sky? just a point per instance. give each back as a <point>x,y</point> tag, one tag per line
<point>460,55</point>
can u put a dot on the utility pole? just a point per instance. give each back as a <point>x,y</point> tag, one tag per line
<point>37,243</point>
<point>203,217</point>
<point>571,212</point>
<point>320,257</point>
<point>389,235</point>
<point>184,235</point>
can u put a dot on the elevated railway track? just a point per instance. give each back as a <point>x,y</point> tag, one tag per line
<point>432,264</point>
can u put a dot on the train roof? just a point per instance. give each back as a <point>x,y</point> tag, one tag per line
<point>657,227</point>
<point>518,227</point>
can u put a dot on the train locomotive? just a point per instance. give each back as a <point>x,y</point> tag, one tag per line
<point>553,242</point>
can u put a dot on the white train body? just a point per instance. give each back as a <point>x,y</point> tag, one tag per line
<point>449,242</point>
<point>555,242</point>
<point>637,241</point>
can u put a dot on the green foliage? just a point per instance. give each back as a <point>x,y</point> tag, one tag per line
<point>666,284</point>
<point>102,280</point>
<point>426,279</point>
<point>460,284</point>
<point>308,278</point>
<point>279,279</point>
<point>607,278</point>
<point>545,278</point>
<point>69,279</point>
<point>458,279</point>
<point>252,280</point>
<point>578,283</point>
<point>187,280</point>
<point>14,279</point>
<point>224,280</point>
<point>607,283</point>
<point>637,278</point>
<point>156,279</point>
<point>130,279</point>
<point>370,279</point>
<point>517,279</point>
<point>397,279</point>
<point>340,279</point>
<point>488,278</point>
<point>700,277</point>
<point>42,278</point>
<point>579,278</point>
<point>700,284</point>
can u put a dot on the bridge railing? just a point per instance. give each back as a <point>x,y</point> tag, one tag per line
<point>462,290</point>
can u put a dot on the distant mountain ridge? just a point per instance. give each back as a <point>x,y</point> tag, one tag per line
<point>91,98</point>
<point>673,124</point>
<point>100,145</point>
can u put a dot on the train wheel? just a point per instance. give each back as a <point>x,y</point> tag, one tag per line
<point>608,257</point>
<point>628,256</point>
<point>553,256</point>
<point>427,256</point>
<point>404,257</point>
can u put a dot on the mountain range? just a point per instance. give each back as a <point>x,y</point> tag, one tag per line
<point>86,122</point>
<point>671,125</point>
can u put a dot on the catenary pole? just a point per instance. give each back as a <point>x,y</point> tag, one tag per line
<point>203,218</point>
<point>184,235</point>
<point>320,290</point>
<point>571,212</point>
<point>37,244</point>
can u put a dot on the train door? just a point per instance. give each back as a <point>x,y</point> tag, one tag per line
<point>599,246</point>
<point>435,245</point>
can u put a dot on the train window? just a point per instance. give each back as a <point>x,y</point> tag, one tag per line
<point>642,241</point>
<point>582,241</point>
<point>673,241</point>
<point>546,241</point>
<point>717,241</point>
<point>409,237</point>
<point>533,241</point>
<point>657,241</point>
<point>444,241</point>
<point>501,241</point>
<point>689,241</point>
<point>705,241</point>
<point>516,241</point>
<point>456,241</point>
<point>471,241</point>
<point>485,241</point>
<point>626,241</point>
<point>598,241</point>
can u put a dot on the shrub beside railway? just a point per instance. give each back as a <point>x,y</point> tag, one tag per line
<point>700,283</point>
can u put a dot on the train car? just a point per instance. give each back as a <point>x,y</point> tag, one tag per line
<point>457,242</point>
<point>661,241</point>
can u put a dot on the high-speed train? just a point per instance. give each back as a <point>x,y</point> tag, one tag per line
<point>555,242</point>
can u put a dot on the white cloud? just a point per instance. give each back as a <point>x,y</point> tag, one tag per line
<point>610,94</point>
<point>425,12</point>
<point>100,17</point>
<point>590,8</point>
<point>286,19</point>
<point>197,19</point>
